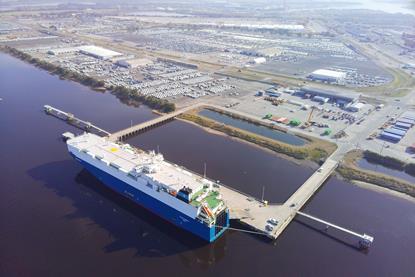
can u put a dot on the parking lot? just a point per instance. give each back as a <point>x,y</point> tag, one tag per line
<point>323,116</point>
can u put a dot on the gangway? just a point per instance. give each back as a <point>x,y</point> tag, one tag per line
<point>364,242</point>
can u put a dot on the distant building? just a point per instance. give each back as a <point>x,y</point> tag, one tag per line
<point>409,66</point>
<point>269,52</point>
<point>58,51</point>
<point>258,60</point>
<point>340,97</point>
<point>326,75</point>
<point>134,63</point>
<point>98,52</point>
<point>178,63</point>
<point>409,40</point>
<point>321,99</point>
<point>356,107</point>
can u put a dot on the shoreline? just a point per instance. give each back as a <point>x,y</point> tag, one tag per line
<point>384,190</point>
<point>301,155</point>
<point>304,162</point>
<point>351,171</point>
<point>126,95</point>
<point>315,151</point>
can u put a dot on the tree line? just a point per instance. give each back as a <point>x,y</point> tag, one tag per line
<point>123,93</point>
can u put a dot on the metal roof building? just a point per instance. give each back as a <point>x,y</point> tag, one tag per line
<point>326,75</point>
<point>333,95</point>
<point>134,63</point>
<point>98,52</point>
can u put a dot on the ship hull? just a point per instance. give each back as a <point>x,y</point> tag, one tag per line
<point>157,207</point>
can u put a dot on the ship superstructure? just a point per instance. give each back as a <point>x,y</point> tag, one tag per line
<point>172,192</point>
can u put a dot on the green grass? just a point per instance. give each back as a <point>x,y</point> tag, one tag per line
<point>351,171</point>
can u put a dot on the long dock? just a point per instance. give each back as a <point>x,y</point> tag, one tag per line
<point>71,119</point>
<point>136,129</point>
<point>250,211</point>
<point>255,213</point>
<point>365,240</point>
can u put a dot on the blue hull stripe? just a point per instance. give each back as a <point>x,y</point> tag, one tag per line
<point>164,211</point>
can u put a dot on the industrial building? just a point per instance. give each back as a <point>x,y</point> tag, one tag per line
<point>335,96</point>
<point>259,60</point>
<point>356,107</point>
<point>321,99</point>
<point>58,51</point>
<point>98,52</point>
<point>134,63</point>
<point>325,75</point>
<point>178,63</point>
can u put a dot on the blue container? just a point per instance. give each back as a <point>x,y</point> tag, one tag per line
<point>391,137</point>
<point>402,125</point>
<point>395,131</point>
<point>406,120</point>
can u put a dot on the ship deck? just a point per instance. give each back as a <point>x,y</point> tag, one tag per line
<point>126,158</point>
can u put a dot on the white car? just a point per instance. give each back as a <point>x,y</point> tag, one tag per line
<point>273,221</point>
<point>269,227</point>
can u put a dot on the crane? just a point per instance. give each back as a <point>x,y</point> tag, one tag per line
<point>307,122</point>
<point>311,114</point>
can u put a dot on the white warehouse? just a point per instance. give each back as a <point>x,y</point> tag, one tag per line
<point>134,63</point>
<point>326,75</point>
<point>98,52</point>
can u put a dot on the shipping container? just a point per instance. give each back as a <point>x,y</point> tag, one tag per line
<point>320,99</point>
<point>402,125</point>
<point>395,131</point>
<point>400,128</point>
<point>391,137</point>
<point>409,115</point>
<point>406,120</point>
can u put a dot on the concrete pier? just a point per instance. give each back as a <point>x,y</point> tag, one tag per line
<point>136,129</point>
<point>255,213</point>
<point>364,240</point>
<point>252,212</point>
<point>71,119</point>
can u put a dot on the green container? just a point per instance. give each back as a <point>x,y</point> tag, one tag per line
<point>295,122</point>
<point>327,132</point>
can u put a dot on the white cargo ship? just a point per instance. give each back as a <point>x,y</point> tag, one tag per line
<point>179,196</point>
